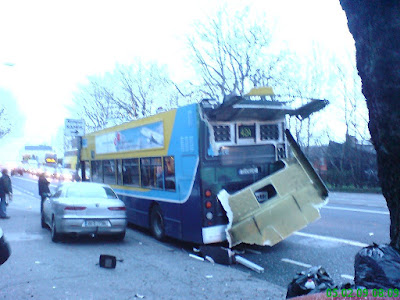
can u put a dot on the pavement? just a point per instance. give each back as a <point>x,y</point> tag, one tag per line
<point>150,270</point>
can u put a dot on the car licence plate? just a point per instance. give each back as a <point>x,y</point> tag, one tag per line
<point>97,223</point>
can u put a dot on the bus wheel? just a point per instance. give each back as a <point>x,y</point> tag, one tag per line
<point>157,223</point>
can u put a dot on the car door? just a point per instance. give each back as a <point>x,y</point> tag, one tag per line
<point>49,204</point>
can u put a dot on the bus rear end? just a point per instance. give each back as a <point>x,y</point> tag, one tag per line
<point>242,142</point>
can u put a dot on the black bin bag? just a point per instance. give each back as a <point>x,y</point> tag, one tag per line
<point>314,280</point>
<point>377,267</point>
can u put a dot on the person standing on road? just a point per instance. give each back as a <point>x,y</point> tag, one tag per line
<point>5,189</point>
<point>43,189</point>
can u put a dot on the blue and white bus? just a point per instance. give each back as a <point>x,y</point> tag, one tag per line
<point>168,168</point>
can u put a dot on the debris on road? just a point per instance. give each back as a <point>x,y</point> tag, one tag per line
<point>377,267</point>
<point>253,251</point>
<point>249,264</point>
<point>107,261</point>
<point>224,256</point>
<point>210,259</point>
<point>219,255</point>
<point>312,281</point>
<point>196,257</point>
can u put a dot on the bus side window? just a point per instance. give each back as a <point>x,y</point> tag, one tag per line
<point>109,171</point>
<point>145,171</point>
<point>87,171</point>
<point>151,172</point>
<point>97,171</point>
<point>130,171</point>
<point>157,176</point>
<point>169,172</point>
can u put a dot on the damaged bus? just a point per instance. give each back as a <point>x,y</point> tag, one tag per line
<point>209,172</point>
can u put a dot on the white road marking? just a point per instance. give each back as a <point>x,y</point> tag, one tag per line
<point>358,210</point>
<point>26,179</point>
<point>294,262</point>
<point>20,191</point>
<point>331,239</point>
<point>22,237</point>
<point>345,276</point>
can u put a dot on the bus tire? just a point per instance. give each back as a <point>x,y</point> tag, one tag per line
<point>157,223</point>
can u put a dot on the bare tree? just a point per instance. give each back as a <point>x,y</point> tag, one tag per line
<point>231,54</point>
<point>308,78</point>
<point>142,89</point>
<point>94,105</point>
<point>128,93</point>
<point>353,104</point>
<point>374,26</point>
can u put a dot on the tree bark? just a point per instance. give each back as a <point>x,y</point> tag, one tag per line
<point>375,26</point>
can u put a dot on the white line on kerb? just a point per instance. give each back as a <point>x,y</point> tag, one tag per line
<point>294,262</point>
<point>331,239</point>
<point>357,210</point>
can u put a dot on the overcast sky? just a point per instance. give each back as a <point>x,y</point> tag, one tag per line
<point>48,48</point>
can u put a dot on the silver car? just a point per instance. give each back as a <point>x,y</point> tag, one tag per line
<point>80,208</point>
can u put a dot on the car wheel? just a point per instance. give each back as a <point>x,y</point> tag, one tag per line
<point>157,223</point>
<point>42,222</point>
<point>120,236</point>
<point>55,236</point>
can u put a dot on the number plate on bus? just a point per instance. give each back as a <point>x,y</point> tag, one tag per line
<point>97,223</point>
<point>247,171</point>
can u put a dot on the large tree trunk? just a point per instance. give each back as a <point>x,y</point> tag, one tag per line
<point>375,26</point>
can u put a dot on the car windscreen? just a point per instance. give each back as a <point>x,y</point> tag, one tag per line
<point>91,192</point>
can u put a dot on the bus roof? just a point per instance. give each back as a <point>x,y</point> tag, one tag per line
<point>236,108</point>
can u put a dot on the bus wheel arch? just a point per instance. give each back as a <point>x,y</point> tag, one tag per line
<point>157,224</point>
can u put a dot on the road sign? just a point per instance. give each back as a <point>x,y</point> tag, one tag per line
<point>74,127</point>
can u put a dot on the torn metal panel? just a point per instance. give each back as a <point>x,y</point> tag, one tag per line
<point>219,255</point>
<point>306,110</point>
<point>271,209</point>
<point>260,104</point>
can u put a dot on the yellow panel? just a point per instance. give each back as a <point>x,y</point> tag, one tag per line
<point>261,91</point>
<point>295,205</point>
<point>167,118</point>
